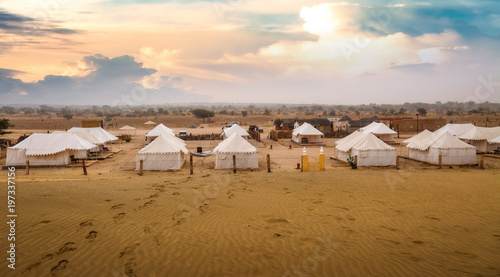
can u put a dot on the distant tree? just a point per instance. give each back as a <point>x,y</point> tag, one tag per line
<point>332,113</point>
<point>267,111</point>
<point>99,114</point>
<point>28,111</point>
<point>422,111</point>
<point>244,113</point>
<point>4,125</point>
<point>66,113</point>
<point>108,118</point>
<point>325,113</point>
<point>202,113</point>
<point>8,110</point>
<point>392,111</point>
<point>449,112</point>
<point>402,111</point>
<point>223,112</point>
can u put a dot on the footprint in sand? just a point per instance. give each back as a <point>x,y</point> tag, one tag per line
<point>176,193</point>
<point>277,220</point>
<point>153,196</point>
<point>431,217</point>
<point>87,223</point>
<point>44,221</point>
<point>47,256</point>
<point>119,217</point>
<point>118,206</point>
<point>66,248</point>
<point>203,208</point>
<point>108,200</point>
<point>129,250</point>
<point>59,267</point>
<point>33,266</point>
<point>92,235</point>
<point>129,268</point>
<point>151,202</point>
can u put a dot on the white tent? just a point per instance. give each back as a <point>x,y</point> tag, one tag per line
<point>95,135</point>
<point>48,149</point>
<point>166,152</point>
<point>452,149</point>
<point>235,128</point>
<point>157,131</point>
<point>380,130</point>
<point>495,140</point>
<point>455,129</point>
<point>246,153</point>
<point>425,133</point>
<point>371,151</point>
<point>349,137</point>
<point>479,136</point>
<point>306,134</point>
<point>128,129</point>
<point>150,123</point>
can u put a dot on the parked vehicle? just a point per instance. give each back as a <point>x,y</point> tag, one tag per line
<point>253,128</point>
<point>192,126</point>
<point>183,134</point>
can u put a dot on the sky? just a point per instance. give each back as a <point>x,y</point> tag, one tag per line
<point>132,52</point>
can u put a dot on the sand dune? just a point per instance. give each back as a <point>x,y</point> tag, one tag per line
<point>347,223</point>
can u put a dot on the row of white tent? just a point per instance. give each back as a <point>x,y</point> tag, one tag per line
<point>57,148</point>
<point>167,152</point>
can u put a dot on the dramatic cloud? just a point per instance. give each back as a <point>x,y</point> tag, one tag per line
<point>109,81</point>
<point>290,51</point>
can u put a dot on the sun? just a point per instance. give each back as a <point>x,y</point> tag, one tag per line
<point>319,20</point>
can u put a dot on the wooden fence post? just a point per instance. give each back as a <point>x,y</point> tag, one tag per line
<point>268,163</point>
<point>190,164</point>
<point>84,167</point>
<point>440,161</point>
<point>356,159</point>
<point>234,163</point>
<point>397,162</point>
<point>481,162</point>
<point>27,167</point>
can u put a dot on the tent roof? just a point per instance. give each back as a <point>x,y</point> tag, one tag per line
<point>455,129</point>
<point>126,127</point>
<point>95,135</point>
<point>235,144</point>
<point>150,123</point>
<point>441,141</point>
<point>378,129</point>
<point>307,129</point>
<point>49,144</point>
<point>481,133</point>
<point>164,144</point>
<point>349,137</point>
<point>425,133</point>
<point>495,140</point>
<point>364,142</point>
<point>235,128</point>
<point>159,130</point>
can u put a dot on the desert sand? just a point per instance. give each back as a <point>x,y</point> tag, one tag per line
<point>416,221</point>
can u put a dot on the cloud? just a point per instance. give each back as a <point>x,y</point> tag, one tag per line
<point>111,81</point>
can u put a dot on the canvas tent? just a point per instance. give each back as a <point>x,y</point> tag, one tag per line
<point>95,135</point>
<point>371,151</point>
<point>235,128</point>
<point>380,130</point>
<point>425,133</point>
<point>454,129</point>
<point>150,123</point>
<point>48,150</point>
<point>163,153</point>
<point>349,137</point>
<point>128,130</point>
<point>306,134</point>
<point>495,140</point>
<point>479,136</point>
<point>157,131</point>
<point>246,154</point>
<point>453,150</point>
